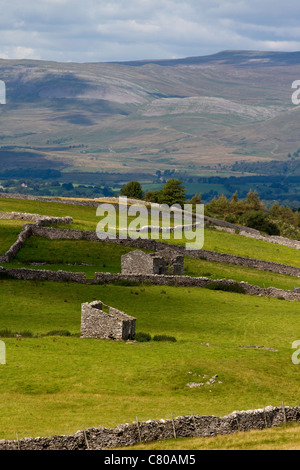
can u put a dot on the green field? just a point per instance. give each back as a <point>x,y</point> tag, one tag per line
<point>85,219</point>
<point>55,382</point>
<point>9,231</point>
<point>90,257</point>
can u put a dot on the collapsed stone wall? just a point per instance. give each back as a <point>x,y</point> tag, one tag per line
<point>243,261</point>
<point>129,434</point>
<point>25,274</point>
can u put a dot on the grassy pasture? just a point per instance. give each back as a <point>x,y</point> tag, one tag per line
<point>85,219</point>
<point>9,231</point>
<point>54,384</point>
<point>90,257</point>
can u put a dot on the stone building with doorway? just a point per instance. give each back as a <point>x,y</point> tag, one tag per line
<point>102,321</point>
<point>166,261</point>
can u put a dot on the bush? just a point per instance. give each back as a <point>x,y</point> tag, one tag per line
<point>142,337</point>
<point>226,287</point>
<point>164,338</point>
<point>26,334</point>
<point>58,333</point>
<point>230,218</point>
<point>7,333</point>
<point>4,276</point>
<point>259,220</point>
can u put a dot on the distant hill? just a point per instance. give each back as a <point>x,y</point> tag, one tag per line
<point>242,58</point>
<point>142,116</point>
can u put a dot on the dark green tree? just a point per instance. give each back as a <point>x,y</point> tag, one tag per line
<point>173,192</point>
<point>152,196</point>
<point>133,190</point>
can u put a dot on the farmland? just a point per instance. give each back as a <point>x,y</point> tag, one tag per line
<point>54,381</point>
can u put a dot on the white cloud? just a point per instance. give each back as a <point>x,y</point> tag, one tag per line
<point>101,30</point>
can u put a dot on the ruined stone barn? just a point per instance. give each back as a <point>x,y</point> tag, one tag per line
<point>166,262</point>
<point>102,321</point>
<point>174,260</point>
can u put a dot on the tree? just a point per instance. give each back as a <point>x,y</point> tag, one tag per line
<point>152,196</point>
<point>173,192</point>
<point>196,199</point>
<point>220,206</point>
<point>253,202</point>
<point>133,190</point>
<point>260,220</point>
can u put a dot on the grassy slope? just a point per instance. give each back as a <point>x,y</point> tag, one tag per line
<point>85,218</point>
<point>116,132</point>
<point>91,257</point>
<point>9,231</point>
<point>54,384</point>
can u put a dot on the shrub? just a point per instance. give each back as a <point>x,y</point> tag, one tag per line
<point>4,276</point>
<point>26,334</point>
<point>259,220</point>
<point>58,333</point>
<point>164,338</point>
<point>7,333</point>
<point>226,287</point>
<point>142,337</point>
<point>230,218</point>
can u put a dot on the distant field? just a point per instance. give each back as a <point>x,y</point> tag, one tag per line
<point>57,384</point>
<point>197,116</point>
<point>84,216</point>
<point>192,188</point>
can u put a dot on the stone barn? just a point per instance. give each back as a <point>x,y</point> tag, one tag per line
<point>102,321</point>
<point>174,260</point>
<point>166,262</point>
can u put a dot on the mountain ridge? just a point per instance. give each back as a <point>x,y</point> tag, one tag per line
<point>183,114</point>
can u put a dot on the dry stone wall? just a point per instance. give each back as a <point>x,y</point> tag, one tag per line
<point>28,229</point>
<point>129,434</point>
<point>55,234</point>
<point>155,279</point>
<point>39,228</point>
<point>26,197</point>
<point>209,221</point>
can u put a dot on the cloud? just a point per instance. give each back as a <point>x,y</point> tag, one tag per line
<point>98,30</point>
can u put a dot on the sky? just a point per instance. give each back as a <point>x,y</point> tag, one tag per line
<point>120,30</point>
